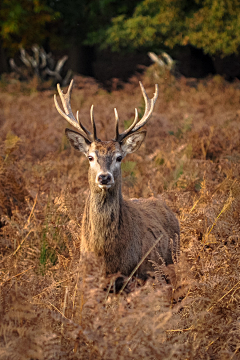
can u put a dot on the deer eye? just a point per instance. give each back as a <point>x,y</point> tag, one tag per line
<point>119,158</point>
<point>90,158</point>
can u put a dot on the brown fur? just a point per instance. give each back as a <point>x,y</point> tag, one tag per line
<point>104,147</point>
<point>122,231</point>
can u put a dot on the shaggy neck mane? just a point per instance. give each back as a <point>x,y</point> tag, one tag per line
<point>105,209</point>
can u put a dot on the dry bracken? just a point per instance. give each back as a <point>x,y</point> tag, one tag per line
<point>54,307</point>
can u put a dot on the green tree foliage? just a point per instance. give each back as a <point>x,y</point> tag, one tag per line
<point>23,22</point>
<point>27,22</point>
<point>82,17</point>
<point>213,25</point>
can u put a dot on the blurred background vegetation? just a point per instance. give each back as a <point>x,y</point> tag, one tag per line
<point>203,35</point>
<point>53,306</point>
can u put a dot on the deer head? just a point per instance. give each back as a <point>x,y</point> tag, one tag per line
<point>105,156</point>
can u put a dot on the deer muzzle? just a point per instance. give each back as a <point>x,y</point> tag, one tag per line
<point>104,180</point>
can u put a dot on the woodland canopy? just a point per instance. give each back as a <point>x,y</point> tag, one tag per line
<point>210,25</point>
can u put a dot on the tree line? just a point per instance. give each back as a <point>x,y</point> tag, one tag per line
<point>122,25</point>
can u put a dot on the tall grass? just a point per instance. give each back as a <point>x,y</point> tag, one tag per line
<point>56,303</point>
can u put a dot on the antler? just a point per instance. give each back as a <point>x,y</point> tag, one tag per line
<point>136,125</point>
<point>68,114</point>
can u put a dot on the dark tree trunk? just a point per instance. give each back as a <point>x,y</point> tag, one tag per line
<point>81,59</point>
<point>192,62</point>
<point>3,60</point>
<point>228,66</point>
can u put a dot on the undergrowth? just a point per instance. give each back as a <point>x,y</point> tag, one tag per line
<point>56,303</point>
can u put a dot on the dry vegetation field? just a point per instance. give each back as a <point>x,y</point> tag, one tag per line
<point>54,307</point>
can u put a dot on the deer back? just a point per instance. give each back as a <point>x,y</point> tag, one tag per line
<point>120,231</point>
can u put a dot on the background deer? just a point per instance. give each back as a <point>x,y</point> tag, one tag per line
<point>120,231</point>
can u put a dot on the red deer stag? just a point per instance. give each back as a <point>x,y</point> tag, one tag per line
<point>120,231</point>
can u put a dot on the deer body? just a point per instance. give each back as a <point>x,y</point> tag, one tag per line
<point>117,230</point>
<point>109,232</point>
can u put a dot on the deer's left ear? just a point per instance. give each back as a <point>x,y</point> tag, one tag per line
<point>133,142</point>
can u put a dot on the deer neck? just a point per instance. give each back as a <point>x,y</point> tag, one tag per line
<point>104,210</point>
<point>105,206</point>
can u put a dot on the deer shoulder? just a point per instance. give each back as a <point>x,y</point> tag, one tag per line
<point>119,231</point>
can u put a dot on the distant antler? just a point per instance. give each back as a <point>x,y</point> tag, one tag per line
<point>136,125</point>
<point>68,114</point>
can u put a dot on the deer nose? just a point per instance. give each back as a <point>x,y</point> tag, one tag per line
<point>105,179</point>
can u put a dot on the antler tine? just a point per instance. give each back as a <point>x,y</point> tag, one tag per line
<point>136,125</point>
<point>120,137</point>
<point>83,127</point>
<point>149,105</point>
<point>68,114</point>
<point>117,122</point>
<point>93,124</point>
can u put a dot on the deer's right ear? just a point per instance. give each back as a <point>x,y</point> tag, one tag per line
<point>78,141</point>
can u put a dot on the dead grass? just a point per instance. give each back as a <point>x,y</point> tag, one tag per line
<point>52,305</point>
